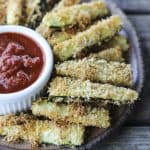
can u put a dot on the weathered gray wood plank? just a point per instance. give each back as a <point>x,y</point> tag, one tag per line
<point>134,6</point>
<point>142,26</point>
<point>130,138</point>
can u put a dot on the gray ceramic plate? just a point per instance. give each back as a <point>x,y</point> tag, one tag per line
<point>119,115</point>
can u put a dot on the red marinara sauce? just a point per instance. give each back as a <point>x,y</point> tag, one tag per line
<point>21,62</point>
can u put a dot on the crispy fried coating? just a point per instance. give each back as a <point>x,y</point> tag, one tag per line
<point>14,12</point>
<point>60,86</point>
<point>46,31</point>
<point>78,14</point>
<point>72,113</point>
<point>32,11</point>
<point>26,127</point>
<point>96,70</point>
<point>111,54</point>
<point>3,8</point>
<point>23,12</point>
<point>65,3</point>
<point>58,37</point>
<point>11,120</point>
<point>79,100</point>
<point>118,40</point>
<point>97,33</point>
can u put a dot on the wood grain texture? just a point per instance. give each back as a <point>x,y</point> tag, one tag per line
<point>134,6</point>
<point>130,138</point>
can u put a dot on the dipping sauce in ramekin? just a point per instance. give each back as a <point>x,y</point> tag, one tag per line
<point>21,62</point>
<point>26,63</point>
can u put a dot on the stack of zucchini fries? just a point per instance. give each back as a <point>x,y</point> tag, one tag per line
<point>23,12</point>
<point>90,74</point>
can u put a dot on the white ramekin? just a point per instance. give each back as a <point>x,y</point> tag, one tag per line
<point>22,100</point>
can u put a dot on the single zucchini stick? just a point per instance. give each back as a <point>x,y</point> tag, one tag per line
<point>72,113</point>
<point>3,8</point>
<point>97,33</point>
<point>96,70</point>
<point>40,131</point>
<point>14,12</point>
<point>111,54</point>
<point>86,89</point>
<point>78,14</point>
<point>46,31</point>
<point>118,40</point>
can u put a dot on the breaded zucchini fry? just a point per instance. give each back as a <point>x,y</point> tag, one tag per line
<point>97,33</point>
<point>118,40</point>
<point>32,10</point>
<point>14,12</point>
<point>78,88</point>
<point>40,131</point>
<point>96,70</point>
<point>79,100</point>
<point>58,37</point>
<point>46,31</point>
<point>78,14</point>
<point>3,8</point>
<point>72,113</point>
<point>111,54</point>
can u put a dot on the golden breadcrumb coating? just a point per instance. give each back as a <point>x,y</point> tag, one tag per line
<point>22,12</point>
<point>60,36</point>
<point>97,33</point>
<point>110,54</point>
<point>77,14</point>
<point>3,11</point>
<point>32,11</point>
<point>79,100</point>
<point>28,128</point>
<point>118,40</point>
<point>46,31</point>
<point>96,70</point>
<point>77,88</point>
<point>73,113</point>
<point>14,12</point>
<point>65,3</point>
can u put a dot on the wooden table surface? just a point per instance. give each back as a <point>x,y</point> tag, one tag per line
<point>135,134</point>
